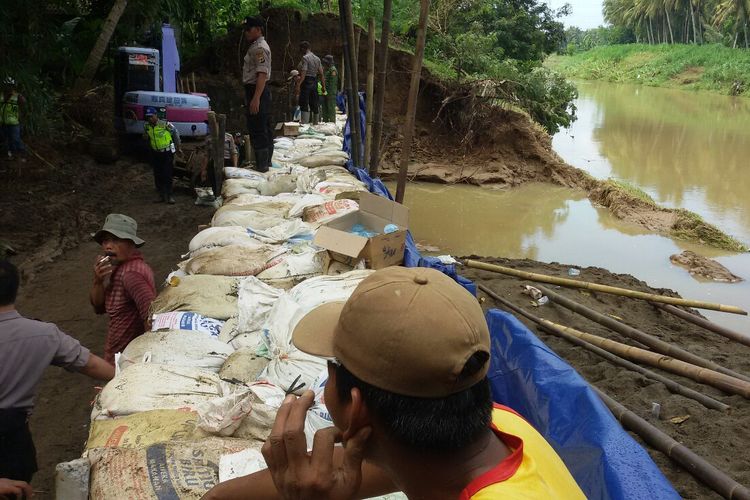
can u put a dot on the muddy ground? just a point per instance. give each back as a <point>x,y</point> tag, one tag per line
<point>718,437</point>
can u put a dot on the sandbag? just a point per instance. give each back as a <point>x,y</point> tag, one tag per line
<point>242,173</point>
<point>246,218</point>
<point>284,183</point>
<point>332,188</point>
<point>254,303</point>
<point>233,187</point>
<point>233,260</point>
<point>301,262</point>
<point>148,386</point>
<point>248,414</point>
<point>307,181</point>
<point>177,348</point>
<point>143,429</point>
<point>243,365</point>
<point>212,296</point>
<point>220,237</point>
<point>307,142</point>
<point>176,470</point>
<point>308,200</point>
<point>290,228</point>
<point>323,289</point>
<point>186,321</point>
<point>321,161</point>
<point>326,212</point>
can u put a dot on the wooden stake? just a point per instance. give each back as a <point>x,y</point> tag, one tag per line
<point>345,8</point>
<point>377,131</point>
<point>696,465</point>
<point>554,280</point>
<point>740,337</point>
<point>370,87</point>
<point>654,343</point>
<point>723,382</point>
<point>670,384</point>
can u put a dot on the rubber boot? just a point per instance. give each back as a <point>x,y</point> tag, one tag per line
<point>315,118</point>
<point>305,117</point>
<point>262,160</point>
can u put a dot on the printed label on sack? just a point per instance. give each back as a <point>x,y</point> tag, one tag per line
<point>166,471</point>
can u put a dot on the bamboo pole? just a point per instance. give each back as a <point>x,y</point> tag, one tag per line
<point>345,9</point>
<point>370,87</point>
<point>654,343</point>
<point>377,131</point>
<point>411,107</point>
<point>670,384</point>
<point>740,337</point>
<point>343,71</point>
<point>696,465</point>
<point>249,154</point>
<point>554,280</point>
<point>704,375</point>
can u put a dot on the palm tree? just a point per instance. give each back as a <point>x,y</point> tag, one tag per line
<point>95,56</point>
<point>733,9</point>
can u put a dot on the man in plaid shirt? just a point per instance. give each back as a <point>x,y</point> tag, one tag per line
<point>123,283</point>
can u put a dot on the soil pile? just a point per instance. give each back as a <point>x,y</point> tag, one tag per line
<point>718,437</point>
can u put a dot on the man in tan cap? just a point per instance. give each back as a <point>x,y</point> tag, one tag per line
<point>409,396</point>
<point>123,283</point>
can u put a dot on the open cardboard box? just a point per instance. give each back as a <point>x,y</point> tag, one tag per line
<point>287,129</point>
<point>374,213</point>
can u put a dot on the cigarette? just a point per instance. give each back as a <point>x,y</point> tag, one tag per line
<point>106,257</point>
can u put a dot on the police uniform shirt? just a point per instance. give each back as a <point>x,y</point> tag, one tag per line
<point>257,60</point>
<point>310,64</point>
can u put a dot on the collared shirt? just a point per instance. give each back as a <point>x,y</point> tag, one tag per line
<point>27,348</point>
<point>127,301</point>
<point>257,60</point>
<point>532,471</point>
<point>310,64</point>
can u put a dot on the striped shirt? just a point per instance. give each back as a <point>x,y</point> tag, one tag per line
<point>127,301</point>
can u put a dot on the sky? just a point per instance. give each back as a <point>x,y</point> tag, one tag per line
<point>586,13</point>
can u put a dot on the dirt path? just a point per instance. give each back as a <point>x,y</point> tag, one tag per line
<point>720,438</point>
<point>58,293</point>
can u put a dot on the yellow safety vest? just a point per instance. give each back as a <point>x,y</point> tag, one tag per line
<point>158,135</point>
<point>9,111</point>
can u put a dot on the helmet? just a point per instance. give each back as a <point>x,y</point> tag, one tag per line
<point>9,81</point>
<point>149,111</point>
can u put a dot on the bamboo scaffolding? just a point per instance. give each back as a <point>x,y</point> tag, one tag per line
<point>704,375</point>
<point>742,338</point>
<point>654,343</point>
<point>411,106</point>
<point>555,280</point>
<point>670,384</point>
<point>370,87</point>
<point>377,130</point>
<point>696,465</point>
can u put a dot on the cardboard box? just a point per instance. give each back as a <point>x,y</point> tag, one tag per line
<point>374,213</point>
<point>288,129</point>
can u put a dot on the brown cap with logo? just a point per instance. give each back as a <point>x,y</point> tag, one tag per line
<point>410,331</point>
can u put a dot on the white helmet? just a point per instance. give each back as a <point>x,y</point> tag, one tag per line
<point>9,81</point>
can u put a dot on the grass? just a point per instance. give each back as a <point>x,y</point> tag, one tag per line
<point>712,68</point>
<point>691,226</point>
<point>632,190</point>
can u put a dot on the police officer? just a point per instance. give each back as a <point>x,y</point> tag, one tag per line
<point>256,71</point>
<point>307,88</point>
<point>10,103</point>
<point>163,138</point>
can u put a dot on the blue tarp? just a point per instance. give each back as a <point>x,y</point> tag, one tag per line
<point>529,377</point>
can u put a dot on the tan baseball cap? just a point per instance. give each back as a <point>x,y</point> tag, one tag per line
<point>410,331</point>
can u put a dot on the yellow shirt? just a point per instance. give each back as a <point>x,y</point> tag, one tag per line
<point>532,470</point>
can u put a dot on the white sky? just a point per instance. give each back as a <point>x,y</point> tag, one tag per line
<point>586,13</point>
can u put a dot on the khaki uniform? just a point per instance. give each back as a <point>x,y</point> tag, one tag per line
<point>257,60</point>
<point>259,125</point>
<point>308,96</point>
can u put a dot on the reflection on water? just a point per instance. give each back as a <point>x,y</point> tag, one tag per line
<point>555,224</point>
<point>685,149</point>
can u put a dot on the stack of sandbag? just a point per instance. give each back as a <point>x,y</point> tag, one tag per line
<point>177,348</point>
<point>212,296</point>
<point>233,260</point>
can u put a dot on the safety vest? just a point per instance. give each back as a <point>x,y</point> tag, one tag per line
<point>158,135</point>
<point>9,110</point>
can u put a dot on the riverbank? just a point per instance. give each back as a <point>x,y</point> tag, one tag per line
<point>713,68</point>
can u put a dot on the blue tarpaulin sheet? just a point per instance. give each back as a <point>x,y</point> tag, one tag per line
<point>529,377</point>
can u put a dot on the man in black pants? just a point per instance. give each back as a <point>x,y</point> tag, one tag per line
<point>307,86</point>
<point>163,138</point>
<point>256,71</point>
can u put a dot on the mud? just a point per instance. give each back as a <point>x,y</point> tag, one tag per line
<point>701,267</point>
<point>718,437</point>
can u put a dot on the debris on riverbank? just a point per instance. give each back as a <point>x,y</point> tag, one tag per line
<point>704,268</point>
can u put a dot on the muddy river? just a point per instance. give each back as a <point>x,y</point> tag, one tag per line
<point>685,149</point>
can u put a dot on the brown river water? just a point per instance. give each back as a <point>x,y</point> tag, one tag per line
<point>685,149</point>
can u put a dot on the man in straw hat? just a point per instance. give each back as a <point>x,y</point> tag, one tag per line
<point>123,283</point>
<point>408,356</point>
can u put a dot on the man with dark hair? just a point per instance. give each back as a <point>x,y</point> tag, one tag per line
<point>163,140</point>
<point>307,87</point>
<point>408,393</point>
<point>123,283</point>
<point>27,348</point>
<point>256,71</point>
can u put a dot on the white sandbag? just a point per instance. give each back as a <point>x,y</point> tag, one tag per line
<point>186,321</point>
<point>246,218</point>
<point>322,161</point>
<point>255,301</point>
<point>176,348</point>
<point>332,152</point>
<point>307,181</point>
<point>233,260</point>
<point>329,129</point>
<point>301,262</point>
<point>323,289</point>
<point>72,479</point>
<point>148,386</point>
<point>255,408</point>
<point>244,365</point>
<point>318,417</point>
<point>282,232</point>
<point>242,173</point>
<point>213,237</point>
<point>335,140</point>
<point>233,187</point>
<point>180,470</point>
<point>306,142</point>
<point>308,200</point>
<point>332,188</point>
<point>242,463</point>
<point>212,296</point>
<point>329,211</point>
<point>277,184</point>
